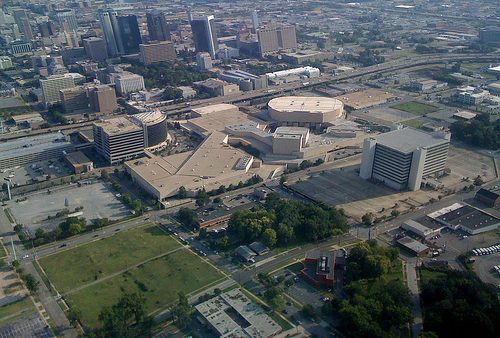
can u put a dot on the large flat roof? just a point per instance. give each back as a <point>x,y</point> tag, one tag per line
<point>210,164</point>
<point>32,145</point>
<point>216,118</point>
<point>118,125</point>
<point>468,217</point>
<point>305,104</point>
<point>407,140</point>
<point>233,314</point>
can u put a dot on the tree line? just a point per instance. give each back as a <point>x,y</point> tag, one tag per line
<point>282,221</point>
<point>480,131</point>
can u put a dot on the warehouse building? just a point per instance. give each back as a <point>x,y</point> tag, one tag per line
<point>244,80</point>
<point>402,158</point>
<point>488,197</point>
<point>464,217</point>
<point>32,149</point>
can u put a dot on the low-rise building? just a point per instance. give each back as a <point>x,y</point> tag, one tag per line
<point>319,266</point>
<point>232,314</point>
<point>79,162</point>
<point>217,87</point>
<point>488,197</point>
<point>415,247</point>
<point>244,253</point>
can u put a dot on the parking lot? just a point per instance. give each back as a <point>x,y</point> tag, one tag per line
<point>483,267</point>
<point>35,172</point>
<point>97,200</point>
<point>28,326</point>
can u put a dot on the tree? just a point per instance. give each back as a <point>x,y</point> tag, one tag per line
<point>104,175</point>
<point>283,179</point>
<point>309,311</point>
<point>31,283</point>
<point>218,200</point>
<point>284,233</point>
<point>127,318</point>
<point>269,237</point>
<point>367,219</point>
<point>202,197</point>
<point>395,213</point>
<point>478,181</point>
<point>182,192</point>
<point>187,217</point>
<point>74,315</point>
<point>182,312</point>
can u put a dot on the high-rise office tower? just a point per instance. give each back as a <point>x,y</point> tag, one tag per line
<point>158,27</point>
<point>23,23</point>
<point>53,84</point>
<point>95,48</point>
<point>46,29</point>
<point>255,20</point>
<point>67,19</point>
<point>130,35</point>
<point>109,25</point>
<point>276,38</point>
<point>204,35</point>
<point>157,52</point>
<point>102,99</point>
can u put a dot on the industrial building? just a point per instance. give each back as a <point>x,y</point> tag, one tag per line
<point>26,150</point>
<point>420,229</point>
<point>402,158</point>
<point>157,52</point>
<point>216,87</point>
<point>155,125</point>
<point>488,197</point>
<point>304,111</point>
<point>212,164</point>
<point>232,314</point>
<point>118,139</point>
<point>244,80</point>
<point>464,217</point>
<point>415,247</point>
<point>293,75</point>
<point>78,162</point>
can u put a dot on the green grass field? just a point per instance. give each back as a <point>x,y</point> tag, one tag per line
<point>3,252</point>
<point>429,275</point>
<point>73,268</point>
<point>414,107</point>
<point>13,311</point>
<point>159,280</point>
<point>414,123</point>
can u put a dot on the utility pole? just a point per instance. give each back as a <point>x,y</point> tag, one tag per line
<point>9,182</point>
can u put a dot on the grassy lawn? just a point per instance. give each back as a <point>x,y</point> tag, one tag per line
<point>159,280</point>
<point>429,275</point>
<point>395,272</point>
<point>73,268</point>
<point>414,123</point>
<point>3,252</point>
<point>13,311</point>
<point>414,107</point>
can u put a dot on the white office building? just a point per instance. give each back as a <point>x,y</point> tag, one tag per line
<point>127,83</point>
<point>402,158</point>
<point>53,84</point>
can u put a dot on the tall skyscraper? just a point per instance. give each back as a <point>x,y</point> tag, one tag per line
<point>130,35</point>
<point>23,23</point>
<point>67,19</point>
<point>204,35</point>
<point>120,32</point>
<point>255,20</point>
<point>276,38</point>
<point>109,24</point>
<point>158,27</point>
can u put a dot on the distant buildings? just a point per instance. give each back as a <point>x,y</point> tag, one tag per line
<point>127,83</point>
<point>96,98</point>
<point>95,48</point>
<point>216,87</point>
<point>67,19</point>
<point>121,32</point>
<point>490,34</point>
<point>74,99</point>
<point>20,48</point>
<point>158,26</point>
<point>5,62</point>
<point>402,158</point>
<point>245,81</point>
<point>204,35</point>
<point>291,75</point>
<point>275,38</point>
<point>53,84</point>
<point>203,61</point>
<point>157,52</point>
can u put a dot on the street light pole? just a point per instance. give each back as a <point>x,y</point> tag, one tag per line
<point>9,182</point>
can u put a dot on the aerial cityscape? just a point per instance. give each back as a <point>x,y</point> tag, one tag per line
<point>250,169</point>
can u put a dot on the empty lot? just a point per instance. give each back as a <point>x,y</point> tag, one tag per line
<point>97,200</point>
